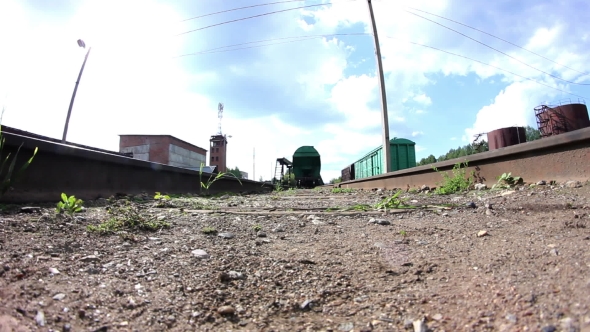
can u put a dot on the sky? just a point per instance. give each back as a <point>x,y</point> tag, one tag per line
<point>147,72</point>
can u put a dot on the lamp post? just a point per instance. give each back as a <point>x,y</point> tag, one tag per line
<point>83,45</point>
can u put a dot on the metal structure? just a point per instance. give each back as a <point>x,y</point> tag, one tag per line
<point>384,116</point>
<point>280,170</point>
<point>219,115</point>
<point>558,158</point>
<point>403,156</point>
<point>561,118</point>
<point>477,144</point>
<point>83,45</point>
<point>504,137</point>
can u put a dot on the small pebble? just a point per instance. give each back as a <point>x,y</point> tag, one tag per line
<point>226,310</point>
<point>482,233</point>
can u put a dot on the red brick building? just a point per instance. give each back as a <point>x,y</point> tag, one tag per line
<point>163,149</point>
<point>218,152</point>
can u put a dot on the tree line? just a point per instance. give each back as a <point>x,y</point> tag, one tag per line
<point>469,149</point>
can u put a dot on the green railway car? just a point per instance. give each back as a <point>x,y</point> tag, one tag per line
<point>403,155</point>
<point>307,166</point>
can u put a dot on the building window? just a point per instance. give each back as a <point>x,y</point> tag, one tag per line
<point>211,158</point>
<point>216,149</point>
<point>216,158</point>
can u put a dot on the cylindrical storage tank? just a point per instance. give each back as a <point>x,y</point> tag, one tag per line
<point>504,137</point>
<point>563,119</point>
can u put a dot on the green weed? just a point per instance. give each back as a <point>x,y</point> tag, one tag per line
<point>211,180</point>
<point>9,179</point>
<point>342,190</point>
<point>257,227</point>
<point>456,183</point>
<point>69,205</point>
<point>392,202</point>
<point>209,230</point>
<point>128,217</point>
<point>359,207</point>
<point>506,180</point>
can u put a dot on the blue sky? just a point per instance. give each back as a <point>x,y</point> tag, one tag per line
<point>321,92</point>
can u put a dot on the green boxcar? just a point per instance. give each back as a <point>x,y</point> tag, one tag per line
<point>403,155</point>
<point>307,166</point>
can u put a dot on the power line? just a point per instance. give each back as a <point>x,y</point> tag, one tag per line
<point>259,15</point>
<point>297,38</point>
<point>495,49</point>
<point>231,10</point>
<point>308,37</point>
<point>486,64</point>
<point>504,40</point>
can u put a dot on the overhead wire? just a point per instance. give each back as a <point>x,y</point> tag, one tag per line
<point>297,38</point>
<point>489,65</point>
<point>258,15</point>
<point>504,40</point>
<point>303,38</point>
<point>497,50</point>
<point>240,8</point>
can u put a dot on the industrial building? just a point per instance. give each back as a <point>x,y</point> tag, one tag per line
<point>163,149</point>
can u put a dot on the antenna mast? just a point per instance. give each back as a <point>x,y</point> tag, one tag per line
<point>220,115</point>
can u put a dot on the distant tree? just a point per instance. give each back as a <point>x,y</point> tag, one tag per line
<point>532,134</point>
<point>336,180</point>
<point>235,171</point>
<point>465,150</point>
<point>428,160</point>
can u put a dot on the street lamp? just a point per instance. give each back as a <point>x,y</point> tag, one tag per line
<point>83,45</point>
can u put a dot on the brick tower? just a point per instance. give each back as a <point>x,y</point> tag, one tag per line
<point>218,152</point>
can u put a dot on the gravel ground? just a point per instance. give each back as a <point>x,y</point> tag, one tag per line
<point>510,260</point>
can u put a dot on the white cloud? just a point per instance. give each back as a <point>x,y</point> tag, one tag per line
<point>422,99</point>
<point>514,106</point>
<point>417,133</point>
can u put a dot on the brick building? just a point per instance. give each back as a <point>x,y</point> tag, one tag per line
<point>163,149</point>
<point>218,152</point>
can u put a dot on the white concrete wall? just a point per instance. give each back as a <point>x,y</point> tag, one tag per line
<point>181,157</point>
<point>141,152</point>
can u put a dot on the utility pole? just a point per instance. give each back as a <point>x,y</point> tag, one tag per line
<point>253,164</point>
<point>81,44</point>
<point>384,117</point>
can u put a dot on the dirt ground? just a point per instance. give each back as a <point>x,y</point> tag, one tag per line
<point>508,260</point>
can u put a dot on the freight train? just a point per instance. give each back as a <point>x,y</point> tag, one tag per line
<point>403,155</point>
<point>306,167</point>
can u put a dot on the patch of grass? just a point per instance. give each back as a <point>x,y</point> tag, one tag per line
<point>456,183</point>
<point>332,209</point>
<point>342,190</point>
<point>128,217</point>
<point>257,227</point>
<point>209,230</point>
<point>403,233</point>
<point>359,207</point>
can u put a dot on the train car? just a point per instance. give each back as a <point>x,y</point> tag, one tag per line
<point>348,173</point>
<point>306,167</point>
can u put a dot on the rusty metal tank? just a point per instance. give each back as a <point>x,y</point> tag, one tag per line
<point>554,120</point>
<point>504,137</point>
